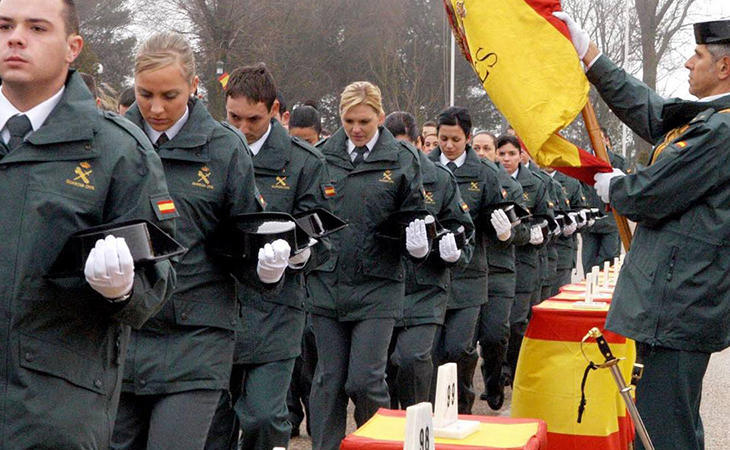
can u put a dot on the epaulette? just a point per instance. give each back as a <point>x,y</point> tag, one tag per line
<point>301,143</point>
<point>321,142</point>
<point>703,116</point>
<point>130,128</point>
<point>238,134</point>
<point>414,151</point>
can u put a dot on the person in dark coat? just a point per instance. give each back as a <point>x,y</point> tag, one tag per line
<point>179,364</point>
<point>673,292</point>
<point>67,166</point>
<point>410,364</point>
<point>356,296</point>
<point>480,189</point>
<point>289,174</point>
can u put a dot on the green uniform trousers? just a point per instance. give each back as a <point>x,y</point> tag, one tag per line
<point>597,248</point>
<point>454,342</point>
<point>668,397</point>
<point>351,364</point>
<point>410,365</point>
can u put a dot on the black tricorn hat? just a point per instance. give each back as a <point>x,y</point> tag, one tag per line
<point>318,223</point>
<point>715,32</point>
<point>147,243</point>
<point>515,212</point>
<point>241,236</point>
<point>394,227</point>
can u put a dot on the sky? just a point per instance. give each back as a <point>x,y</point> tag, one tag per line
<point>675,84</point>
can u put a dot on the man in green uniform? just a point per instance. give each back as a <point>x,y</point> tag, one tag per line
<point>527,259</point>
<point>289,174</point>
<point>410,364</point>
<point>673,294</point>
<point>566,244</point>
<point>66,167</point>
<point>481,192</point>
<point>600,240</point>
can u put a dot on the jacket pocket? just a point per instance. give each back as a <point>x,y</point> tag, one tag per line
<point>201,314</point>
<point>58,361</point>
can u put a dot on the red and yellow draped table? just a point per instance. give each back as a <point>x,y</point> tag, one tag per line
<point>386,430</point>
<point>550,369</point>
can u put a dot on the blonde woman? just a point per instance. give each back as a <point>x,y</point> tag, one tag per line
<point>357,295</point>
<point>179,363</point>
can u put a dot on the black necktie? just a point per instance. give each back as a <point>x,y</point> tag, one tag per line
<point>161,140</point>
<point>18,126</point>
<point>451,165</point>
<point>359,155</point>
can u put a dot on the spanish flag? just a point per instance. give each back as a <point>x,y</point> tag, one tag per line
<point>548,385</point>
<point>526,62</point>
<point>223,80</point>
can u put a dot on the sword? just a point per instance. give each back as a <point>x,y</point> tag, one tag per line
<point>612,364</point>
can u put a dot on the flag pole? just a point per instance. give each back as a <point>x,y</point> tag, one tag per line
<point>594,133</point>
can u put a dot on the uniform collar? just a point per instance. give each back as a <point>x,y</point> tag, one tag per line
<point>170,132</point>
<point>195,132</point>
<point>458,161</point>
<point>256,146</point>
<point>369,145</point>
<point>274,152</point>
<point>37,114</point>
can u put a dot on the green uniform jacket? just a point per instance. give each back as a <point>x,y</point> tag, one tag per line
<point>674,288</point>
<point>536,201</point>
<point>427,282</point>
<point>572,198</point>
<point>604,225</point>
<point>479,189</point>
<point>501,259</point>
<point>62,345</point>
<point>364,277</point>
<point>289,174</point>
<point>547,251</point>
<point>189,344</point>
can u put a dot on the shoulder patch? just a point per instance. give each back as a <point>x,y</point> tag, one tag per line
<point>130,128</point>
<point>164,207</point>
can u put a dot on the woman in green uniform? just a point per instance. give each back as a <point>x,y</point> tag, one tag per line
<point>179,363</point>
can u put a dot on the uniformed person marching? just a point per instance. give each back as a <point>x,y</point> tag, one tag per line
<point>548,252</point>
<point>481,192</point>
<point>357,295</point>
<point>179,364</point>
<point>410,362</point>
<point>493,327</point>
<point>289,174</point>
<point>66,167</point>
<point>527,259</point>
<point>672,295</point>
<point>567,244</point>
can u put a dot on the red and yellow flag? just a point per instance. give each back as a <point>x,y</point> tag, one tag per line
<point>223,80</point>
<point>525,60</point>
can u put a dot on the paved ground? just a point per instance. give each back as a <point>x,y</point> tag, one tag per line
<point>715,401</point>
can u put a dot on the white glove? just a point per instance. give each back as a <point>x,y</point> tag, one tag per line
<point>577,220</point>
<point>109,268</point>
<point>416,238</point>
<point>568,230</point>
<point>577,34</point>
<point>300,259</point>
<point>273,261</point>
<point>603,183</point>
<point>536,235</point>
<point>501,225</point>
<point>448,250</point>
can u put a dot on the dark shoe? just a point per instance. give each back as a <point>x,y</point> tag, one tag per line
<point>495,400</point>
<point>483,396</point>
<point>294,432</point>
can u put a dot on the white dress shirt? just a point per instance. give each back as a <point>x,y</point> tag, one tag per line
<point>37,114</point>
<point>170,132</point>
<point>369,145</point>
<point>256,146</point>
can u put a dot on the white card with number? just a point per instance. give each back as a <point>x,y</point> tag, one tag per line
<point>446,408</point>
<point>419,428</point>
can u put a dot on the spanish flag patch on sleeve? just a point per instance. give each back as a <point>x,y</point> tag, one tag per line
<point>329,190</point>
<point>260,200</point>
<point>164,207</point>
